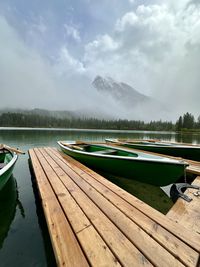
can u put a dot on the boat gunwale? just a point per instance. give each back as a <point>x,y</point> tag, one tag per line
<point>149,160</point>
<point>9,164</point>
<point>153,144</point>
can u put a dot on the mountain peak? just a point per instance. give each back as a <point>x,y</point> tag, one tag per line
<point>120,91</point>
<point>100,83</point>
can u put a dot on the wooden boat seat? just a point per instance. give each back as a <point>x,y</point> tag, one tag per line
<point>2,165</point>
<point>107,151</point>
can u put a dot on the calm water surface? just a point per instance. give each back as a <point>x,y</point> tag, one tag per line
<point>24,239</point>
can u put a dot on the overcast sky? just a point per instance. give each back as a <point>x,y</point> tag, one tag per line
<point>50,51</point>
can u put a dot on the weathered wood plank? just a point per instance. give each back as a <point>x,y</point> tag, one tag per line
<point>139,238</point>
<point>86,234</point>
<point>66,248</point>
<point>176,247</point>
<point>184,234</point>
<point>74,214</point>
<point>124,250</point>
<point>186,213</point>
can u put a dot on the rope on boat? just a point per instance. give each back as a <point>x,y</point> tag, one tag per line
<point>185,176</point>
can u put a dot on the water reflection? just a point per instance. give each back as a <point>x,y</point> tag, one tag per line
<point>152,195</point>
<point>192,138</point>
<point>49,136</point>
<point>9,201</point>
<point>26,223</point>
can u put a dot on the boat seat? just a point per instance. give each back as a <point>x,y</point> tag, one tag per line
<point>106,151</point>
<point>2,165</point>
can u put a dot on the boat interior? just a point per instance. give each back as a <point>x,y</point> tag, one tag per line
<point>106,151</point>
<point>5,157</point>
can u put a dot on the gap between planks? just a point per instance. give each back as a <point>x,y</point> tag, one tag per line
<point>185,213</point>
<point>73,166</point>
<point>187,236</point>
<point>163,237</point>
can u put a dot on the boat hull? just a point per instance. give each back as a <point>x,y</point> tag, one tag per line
<point>187,153</point>
<point>155,173</point>
<point>5,173</point>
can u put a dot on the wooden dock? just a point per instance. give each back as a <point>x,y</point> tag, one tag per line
<point>185,213</point>
<point>93,222</point>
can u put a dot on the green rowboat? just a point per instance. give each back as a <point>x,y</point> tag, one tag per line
<point>155,170</point>
<point>7,162</point>
<point>173,149</point>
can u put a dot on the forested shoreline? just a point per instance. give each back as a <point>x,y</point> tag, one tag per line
<point>9,119</point>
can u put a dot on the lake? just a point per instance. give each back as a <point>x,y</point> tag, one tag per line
<point>24,239</point>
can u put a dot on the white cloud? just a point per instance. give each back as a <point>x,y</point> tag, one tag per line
<point>27,80</point>
<point>67,65</point>
<point>103,42</point>
<point>178,5</point>
<point>157,50</point>
<point>73,32</point>
<point>154,46</point>
<point>102,46</point>
<point>129,18</point>
<point>24,75</point>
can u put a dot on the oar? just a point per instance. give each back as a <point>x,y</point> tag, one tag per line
<point>16,150</point>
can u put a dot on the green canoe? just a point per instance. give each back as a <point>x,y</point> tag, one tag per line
<point>7,162</point>
<point>173,149</point>
<point>140,166</point>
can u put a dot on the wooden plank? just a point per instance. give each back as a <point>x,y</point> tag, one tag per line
<point>66,248</point>
<point>96,249</point>
<point>186,213</point>
<point>149,247</point>
<point>193,169</point>
<point>124,250</point>
<point>184,234</point>
<point>86,233</point>
<point>176,247</point>
<point>73,212</point>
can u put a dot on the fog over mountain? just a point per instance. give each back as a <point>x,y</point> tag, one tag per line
<point>118,100</point>
<point>51,52</point>
<point>122,92</point>
<point>131,102</point>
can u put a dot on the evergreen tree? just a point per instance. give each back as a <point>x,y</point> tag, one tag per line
<point>188,121</point>
<point>179,124</point>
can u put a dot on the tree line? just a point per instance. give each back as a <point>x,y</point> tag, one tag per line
<point>187,121</point>
<point>10,119</point>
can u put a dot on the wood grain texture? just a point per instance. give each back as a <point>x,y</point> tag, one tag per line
<point>60,231</point>
<point>107,226</point>
<point>176,247</point>
<point>79,222</point>
<point>187,236</point>
<point>119,244</point>
<point>186,213</point>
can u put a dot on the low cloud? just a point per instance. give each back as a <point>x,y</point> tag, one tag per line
<point>159,53</point>
<point>28,80</point>
<point>154,47</point>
